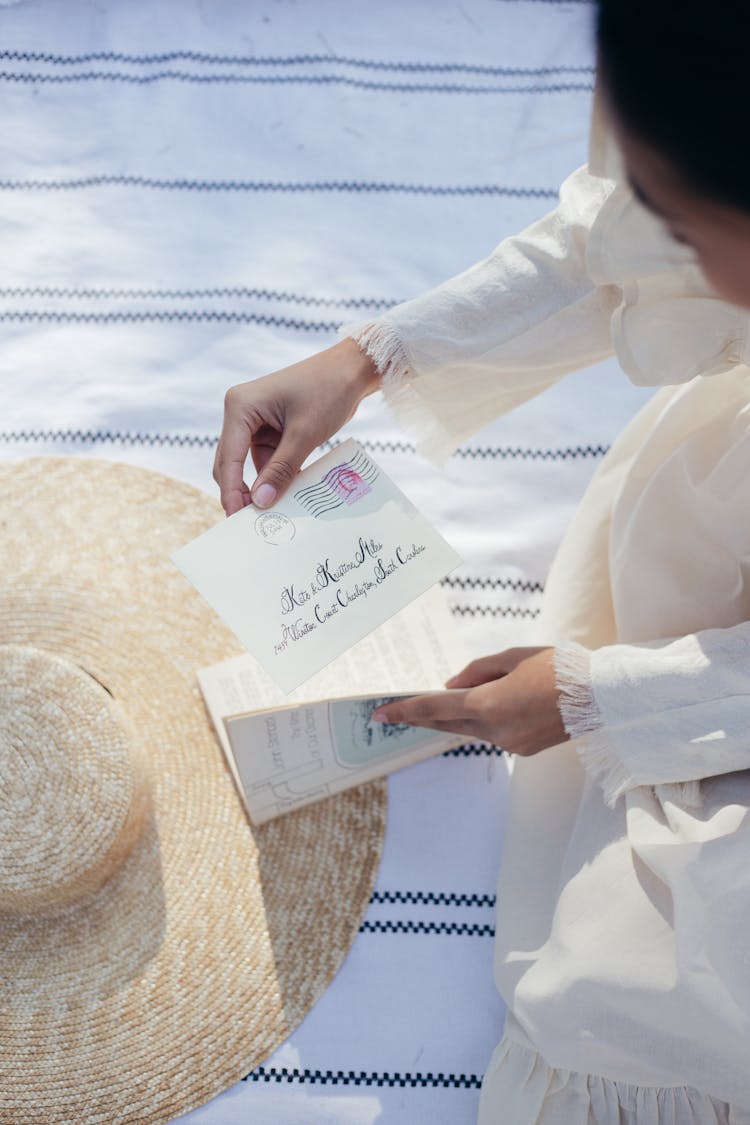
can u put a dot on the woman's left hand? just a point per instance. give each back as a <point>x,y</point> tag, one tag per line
<point>509,699</point>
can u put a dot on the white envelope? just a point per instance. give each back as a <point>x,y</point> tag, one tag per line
<point>300,583</point>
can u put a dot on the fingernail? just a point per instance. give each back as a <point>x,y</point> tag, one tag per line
<point>378,716</point>
<point>264,496</point>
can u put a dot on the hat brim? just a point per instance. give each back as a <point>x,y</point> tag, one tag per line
<point>201,954</point>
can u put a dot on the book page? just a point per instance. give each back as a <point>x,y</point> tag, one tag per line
<point>292,756</point>
<point>415,651</point>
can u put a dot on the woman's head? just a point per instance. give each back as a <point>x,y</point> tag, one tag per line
<point>673,76</point>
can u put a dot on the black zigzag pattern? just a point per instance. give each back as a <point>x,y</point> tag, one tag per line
<point>217,59</point>
<point>494,611</point>
<point>295,187</point>
<point>465,929</point>
<point>159,316</point>
<point>467,582</point>
<point>363,1078</point>
<point>473,750</point>
<point>431,898</point>
<point>231,292</point>
<point>226,79</point>
<point>491,452</point>
<point>130,437</point>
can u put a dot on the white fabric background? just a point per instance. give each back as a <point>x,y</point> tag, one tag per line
<point>193,194</point>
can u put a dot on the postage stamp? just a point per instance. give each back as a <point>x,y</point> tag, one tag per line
<point>343,484</point>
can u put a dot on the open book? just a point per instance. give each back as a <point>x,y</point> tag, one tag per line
<point>285,751</point>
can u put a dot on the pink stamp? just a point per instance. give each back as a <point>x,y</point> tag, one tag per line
<point>346,483</point>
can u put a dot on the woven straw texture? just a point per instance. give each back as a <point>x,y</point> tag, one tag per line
<point>154,947</point>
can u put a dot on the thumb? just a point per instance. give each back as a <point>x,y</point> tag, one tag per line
<point>276,476</point>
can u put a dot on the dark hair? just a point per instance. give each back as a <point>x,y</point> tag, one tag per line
<point>676,73</point>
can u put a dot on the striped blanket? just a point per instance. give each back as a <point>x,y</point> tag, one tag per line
<point>193,194</point>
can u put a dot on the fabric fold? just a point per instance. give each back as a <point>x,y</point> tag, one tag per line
<point>531,1092</point>
<point>500,332</point>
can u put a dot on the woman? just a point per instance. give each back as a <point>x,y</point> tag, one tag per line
<point>622,948</point>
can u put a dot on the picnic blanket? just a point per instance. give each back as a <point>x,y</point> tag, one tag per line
<point>193,194</point>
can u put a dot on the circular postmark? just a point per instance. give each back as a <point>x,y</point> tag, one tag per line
<point>274,528</point>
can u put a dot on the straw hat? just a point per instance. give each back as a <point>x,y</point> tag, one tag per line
<point>153,947</point>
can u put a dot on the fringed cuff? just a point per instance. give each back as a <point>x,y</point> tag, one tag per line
<point>583,721</point>
<point>380,341</point>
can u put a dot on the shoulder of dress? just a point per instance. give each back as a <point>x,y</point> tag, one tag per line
<point>669,326</point>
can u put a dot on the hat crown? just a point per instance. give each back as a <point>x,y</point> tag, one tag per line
<point>72,791</point>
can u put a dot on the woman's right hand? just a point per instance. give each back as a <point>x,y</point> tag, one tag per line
<point>280,418</point>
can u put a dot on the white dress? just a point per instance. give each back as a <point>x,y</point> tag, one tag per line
<point>623,928</point>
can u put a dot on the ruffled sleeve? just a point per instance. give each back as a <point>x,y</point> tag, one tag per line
<point>499,333</point>
<point>664,713</point>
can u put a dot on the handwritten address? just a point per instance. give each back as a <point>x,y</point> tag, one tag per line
<point>334,587</point>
